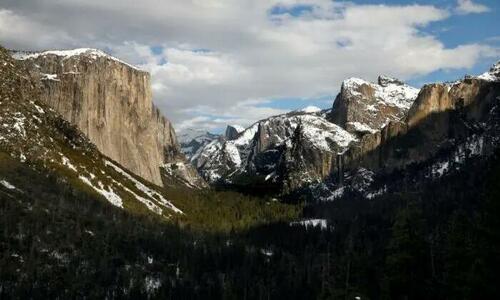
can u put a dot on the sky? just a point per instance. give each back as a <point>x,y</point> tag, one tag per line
<point>219,62</point>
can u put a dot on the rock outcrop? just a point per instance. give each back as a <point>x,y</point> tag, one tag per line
<point>111,103</point>
<point>232,131</point>
<point>433,98</point>
<point>363,107</point>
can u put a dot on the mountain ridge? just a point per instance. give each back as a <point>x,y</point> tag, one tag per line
<point>286,160</point>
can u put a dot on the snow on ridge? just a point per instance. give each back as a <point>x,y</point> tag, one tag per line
<point>234,154</point>
<point>90,52</point>
<point>493,74</point>
<point>152,194</point>
<point>190,134</point>
<point>67,163</point>
<point>246,135</point>
<point>401,96</point>
<point>354,81</point>
<point>109,194</point>
<point>360,127</point>
<point>319,132</point>
<point>392,92</point>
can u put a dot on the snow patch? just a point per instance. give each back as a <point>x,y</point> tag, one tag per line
<point>361,127</point>
<point>152,194</point>
<point>321,223</point>
<point>7,185</point>
<point>52,77</point>
<point>108,193</point>
<point>67,163</point>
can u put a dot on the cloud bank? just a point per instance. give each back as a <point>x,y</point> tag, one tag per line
<point>215,62</point>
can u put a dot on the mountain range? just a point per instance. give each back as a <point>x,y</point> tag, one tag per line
<point>389,194</point>
<point>371,128</point>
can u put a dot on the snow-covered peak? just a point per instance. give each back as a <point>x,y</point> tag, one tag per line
<point>259,147</point>
<point>400,95</point>
<point>321,134</point>
<point>353,82</point>
<point>66,54</point>
<point>389,90</point>
<point>493,74</point>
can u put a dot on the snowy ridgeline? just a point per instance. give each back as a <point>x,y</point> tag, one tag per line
<point>66,54</point>
<point>277,131</point>
<point>389,91</point>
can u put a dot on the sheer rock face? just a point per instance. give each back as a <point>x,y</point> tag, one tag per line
<point>433,98</point>
<point>364,107</point>
<point>232,131</point>
<point>111,103</point>
<point>442,115</point>
<point>35,135</point>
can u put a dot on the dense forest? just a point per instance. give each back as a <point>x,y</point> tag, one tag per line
<point>438,239</point>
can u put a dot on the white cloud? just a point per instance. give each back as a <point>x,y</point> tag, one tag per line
<point>210,118</point>
<point>469,7</point>
<point>250,54</point>
<point>21,32</point>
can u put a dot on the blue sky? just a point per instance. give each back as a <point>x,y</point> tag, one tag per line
<point>219,62</point>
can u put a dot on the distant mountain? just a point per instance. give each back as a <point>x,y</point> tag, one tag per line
<point>371,128</point>
<point>192,140</point>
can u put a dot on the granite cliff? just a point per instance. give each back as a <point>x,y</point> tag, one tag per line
<point>39,141</point>
<point>110,101</point>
